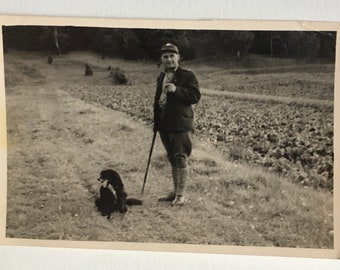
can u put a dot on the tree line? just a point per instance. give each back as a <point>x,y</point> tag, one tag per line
<point>135,44</point>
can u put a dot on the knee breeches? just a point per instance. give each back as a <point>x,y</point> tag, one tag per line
<point>178,147</point>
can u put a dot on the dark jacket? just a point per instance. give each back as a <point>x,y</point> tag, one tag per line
<point>178,114</point>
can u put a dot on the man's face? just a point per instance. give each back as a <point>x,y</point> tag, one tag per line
<point>170,59</point>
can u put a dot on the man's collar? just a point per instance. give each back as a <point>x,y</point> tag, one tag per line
<point>171,70</point>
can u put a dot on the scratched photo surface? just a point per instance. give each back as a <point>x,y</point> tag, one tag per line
<point>79,100</point>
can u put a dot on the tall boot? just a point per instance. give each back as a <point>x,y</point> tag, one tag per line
<point>182,174</point>
<point>172,195</point>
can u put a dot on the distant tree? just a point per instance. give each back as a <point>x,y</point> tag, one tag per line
<point>103,42</point>
<point>236,43</point>
<point>203,43</point>
<point>261,43</point>
<point>302,44</point>
<point>22,37</point>
<point>80,38</point>
<point>327,44</point>
<point>185,44</point>
<point>193,44</point>
<point>48,35</point>
<point>153,39</point>
<point>132,47</point>
<point>278,46</point>
<point>117,42</point>
<point>49,38</point>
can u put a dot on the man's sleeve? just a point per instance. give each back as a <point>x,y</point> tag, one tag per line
<point>190,93</point>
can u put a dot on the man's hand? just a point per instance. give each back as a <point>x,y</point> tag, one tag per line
<point>170,87</point>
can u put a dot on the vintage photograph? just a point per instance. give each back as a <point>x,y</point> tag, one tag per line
<point>170,136</point>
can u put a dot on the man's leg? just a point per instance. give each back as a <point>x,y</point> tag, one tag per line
<point>172,195</point>
<point>182,150</point>
<point>182,174</point>
<point>167,143</point>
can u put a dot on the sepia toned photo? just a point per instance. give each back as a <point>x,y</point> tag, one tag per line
<point>176,136</point>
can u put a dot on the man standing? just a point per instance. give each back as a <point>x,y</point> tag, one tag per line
<point>177,90</point>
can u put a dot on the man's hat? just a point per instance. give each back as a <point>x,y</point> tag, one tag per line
<point>168,47</point>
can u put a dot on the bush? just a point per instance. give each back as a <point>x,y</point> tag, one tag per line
<point>118,76</point>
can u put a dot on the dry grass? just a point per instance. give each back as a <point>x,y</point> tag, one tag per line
<point>58,144</point>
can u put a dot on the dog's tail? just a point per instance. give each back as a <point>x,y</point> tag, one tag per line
<point>133,201</point>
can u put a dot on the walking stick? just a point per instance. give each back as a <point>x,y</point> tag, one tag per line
<point>148,165</point>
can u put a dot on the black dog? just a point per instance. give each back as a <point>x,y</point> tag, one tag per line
<point>121,201</point>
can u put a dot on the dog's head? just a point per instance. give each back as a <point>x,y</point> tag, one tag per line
<point>113,178</point>
<point>107,174</point>
<point>102,179</point>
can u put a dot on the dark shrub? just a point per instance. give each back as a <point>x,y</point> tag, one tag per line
<point>118,76</point>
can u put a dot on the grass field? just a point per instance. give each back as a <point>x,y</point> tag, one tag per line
<point>248,184</point>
